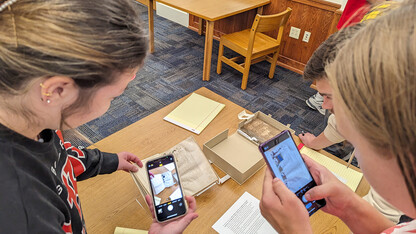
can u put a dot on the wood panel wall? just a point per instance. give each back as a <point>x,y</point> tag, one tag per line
<point>316,16</point>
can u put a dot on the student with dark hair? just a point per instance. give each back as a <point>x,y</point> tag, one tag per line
<point>355,11</point>
<point>315,71</point>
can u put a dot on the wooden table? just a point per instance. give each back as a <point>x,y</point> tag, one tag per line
<point>209,10</point>
<point>109,200</point>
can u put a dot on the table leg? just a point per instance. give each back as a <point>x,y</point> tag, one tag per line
<point>260,10</point>
<point>151,26</point>
<point>200,26</point>
<point>209,36</point>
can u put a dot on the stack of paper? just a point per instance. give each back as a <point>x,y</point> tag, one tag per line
<point>348,176</point>
<point>195,113</point>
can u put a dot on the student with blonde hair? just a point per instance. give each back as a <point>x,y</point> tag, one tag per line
<point>373,79</point>
<point>61,64</point>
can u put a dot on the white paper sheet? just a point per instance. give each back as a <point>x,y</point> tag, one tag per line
<point>243,217</point>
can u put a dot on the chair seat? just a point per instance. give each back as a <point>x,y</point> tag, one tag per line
<point>238,42</point>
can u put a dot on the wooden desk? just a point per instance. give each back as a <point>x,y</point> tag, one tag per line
<point>209,10</point>
<point>109,200</point>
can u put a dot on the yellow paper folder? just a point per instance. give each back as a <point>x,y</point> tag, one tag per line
<point>195,113</point>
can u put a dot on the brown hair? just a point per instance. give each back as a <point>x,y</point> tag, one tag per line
<point>326,52</point>
<point>374,76</point>
<point>89,41</point>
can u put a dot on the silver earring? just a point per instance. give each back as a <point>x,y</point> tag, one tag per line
<point>48,101</point>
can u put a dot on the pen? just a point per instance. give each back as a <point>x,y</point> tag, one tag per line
<point>351,158</point>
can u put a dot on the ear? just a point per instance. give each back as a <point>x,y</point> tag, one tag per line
<point>59,91</point>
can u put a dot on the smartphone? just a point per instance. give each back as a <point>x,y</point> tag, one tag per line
<point>283,158</point>
<point>167,193</point>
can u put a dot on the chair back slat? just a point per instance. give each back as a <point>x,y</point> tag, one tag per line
<point>267,23</point>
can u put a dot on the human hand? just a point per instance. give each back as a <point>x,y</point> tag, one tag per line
<point>174,226</point>
<point>307,139</point>
<point>281,208</point>
<point>125,160</point>
<point>337,195</point>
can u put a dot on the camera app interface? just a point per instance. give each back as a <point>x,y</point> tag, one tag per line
<point>167,193</point>
<point>287,164</point>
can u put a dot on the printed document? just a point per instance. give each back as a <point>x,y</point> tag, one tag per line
<point>243,217</point>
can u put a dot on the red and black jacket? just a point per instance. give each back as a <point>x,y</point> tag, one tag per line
<point>39,182</point>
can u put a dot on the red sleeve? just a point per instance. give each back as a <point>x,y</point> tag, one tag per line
<point>87,163</point>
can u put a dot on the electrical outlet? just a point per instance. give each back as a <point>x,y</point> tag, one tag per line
<point>306,36</point>
<point>294,32</point>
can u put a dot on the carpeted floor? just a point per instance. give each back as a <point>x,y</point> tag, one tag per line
<point>175,69</point>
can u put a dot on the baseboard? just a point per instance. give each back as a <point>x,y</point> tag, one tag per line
<point>290,64</point>
<point>172,14</point>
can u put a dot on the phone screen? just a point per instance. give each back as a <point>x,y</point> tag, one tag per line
<point>167,194</point>
<point>286,163</point>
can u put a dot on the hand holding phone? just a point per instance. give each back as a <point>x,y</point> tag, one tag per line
<point>286,163</point>
<point>167,193</point>
<point>281,208</point>
<point>177,225</point>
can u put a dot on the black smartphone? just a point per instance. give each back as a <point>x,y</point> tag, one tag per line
<point>286,163</point>
<point>167,193</point>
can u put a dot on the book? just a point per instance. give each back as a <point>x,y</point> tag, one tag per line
<point>348,176</point>
<point>195,113</point>
<point>194,169</point>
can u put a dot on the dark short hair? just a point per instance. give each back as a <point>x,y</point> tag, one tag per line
<point>326,53</point>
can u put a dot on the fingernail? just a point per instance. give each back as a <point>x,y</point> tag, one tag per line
<point>307,196</point>
<point>276,179</point>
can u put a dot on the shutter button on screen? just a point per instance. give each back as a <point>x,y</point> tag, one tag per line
<point>304,199</point>
<point>170,207</point>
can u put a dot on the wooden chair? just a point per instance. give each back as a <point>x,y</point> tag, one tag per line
<point>254,45</point>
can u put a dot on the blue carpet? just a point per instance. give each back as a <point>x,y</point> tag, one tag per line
<point>175,70</point>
